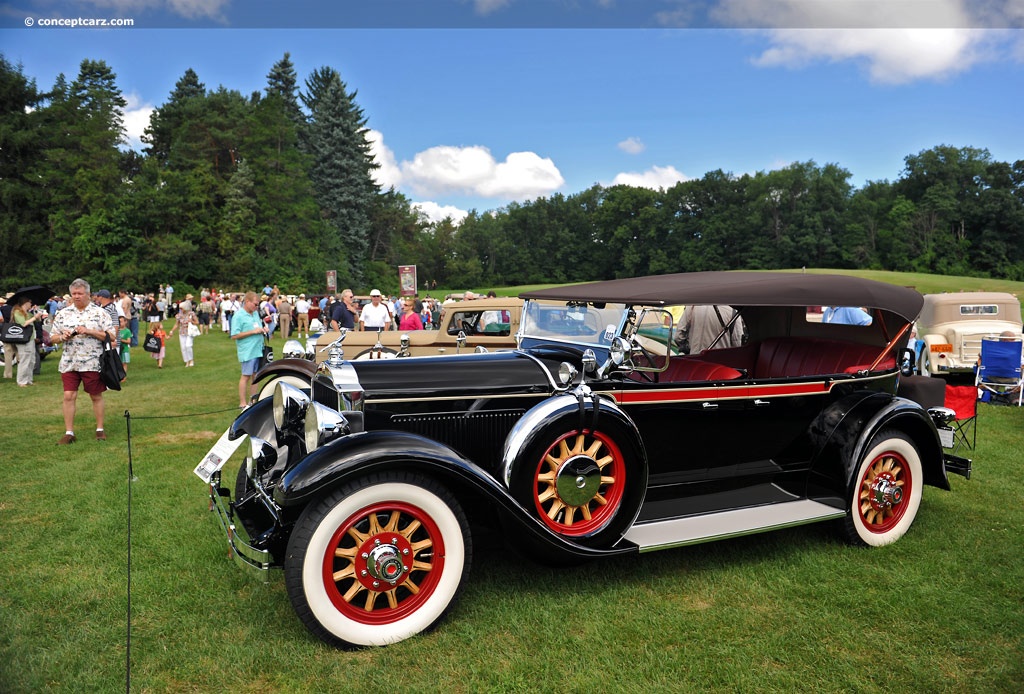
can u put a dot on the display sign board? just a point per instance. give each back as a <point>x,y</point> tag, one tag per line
<point>407,280</point>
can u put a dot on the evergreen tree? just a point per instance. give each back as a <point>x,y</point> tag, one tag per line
<point>283,83</point>
<point>22,218</point>
<point>166,122</point>
<point>341,170</point>
<point>80,168</point>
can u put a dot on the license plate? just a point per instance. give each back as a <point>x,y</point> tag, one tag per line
<point>214,460</point>
<point>946,437</point>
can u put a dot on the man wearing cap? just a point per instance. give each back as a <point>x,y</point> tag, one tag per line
<point>81,327</point>
<point>302,316</point>
<point>105,300</point>
<point>375,315</point>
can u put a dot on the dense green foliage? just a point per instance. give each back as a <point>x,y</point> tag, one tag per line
<point>238,191</point>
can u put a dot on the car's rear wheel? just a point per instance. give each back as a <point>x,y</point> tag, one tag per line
<point>886,493</point>
<point>378,560</point>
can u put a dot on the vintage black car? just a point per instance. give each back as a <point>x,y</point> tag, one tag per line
<point>593,438</point>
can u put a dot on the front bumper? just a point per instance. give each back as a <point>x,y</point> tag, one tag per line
<point>240,545</point>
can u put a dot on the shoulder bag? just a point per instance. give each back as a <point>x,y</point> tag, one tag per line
<point>266,357</point>
<point>111,368</point>
<point>151,343</point>
<point>15,334</point>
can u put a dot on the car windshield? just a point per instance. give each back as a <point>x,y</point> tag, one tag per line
<point>578,324</point>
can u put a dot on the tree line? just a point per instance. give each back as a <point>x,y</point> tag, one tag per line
<point>236,191</point>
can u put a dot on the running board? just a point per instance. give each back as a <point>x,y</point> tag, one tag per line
<point>719,526</point>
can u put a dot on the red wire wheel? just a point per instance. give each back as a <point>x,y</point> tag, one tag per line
<point>383,563</point>
<point>579,483</point>
<point>883,489</point>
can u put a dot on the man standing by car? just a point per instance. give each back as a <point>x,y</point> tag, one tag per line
<point>302,316</point>
<point>342,315</point>
<point>248,331</point>
<point>81,327</point>
<point>375,315</point>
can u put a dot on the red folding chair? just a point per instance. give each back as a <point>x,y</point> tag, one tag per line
<point>964,401</point>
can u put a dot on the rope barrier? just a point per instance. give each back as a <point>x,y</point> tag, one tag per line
<point>131,478</point>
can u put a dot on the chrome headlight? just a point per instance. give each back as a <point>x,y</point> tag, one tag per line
<point>262,457</point>
<point>323,425</point>
<point>566,373</point>
<point>289,404</point>
<point>618,351</point>
<point>293,349</point>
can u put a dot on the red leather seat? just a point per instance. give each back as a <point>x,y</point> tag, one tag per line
<point>781,357</point>
<point>681,369</point>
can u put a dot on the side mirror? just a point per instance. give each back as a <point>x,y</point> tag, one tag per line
<point>905,359</point>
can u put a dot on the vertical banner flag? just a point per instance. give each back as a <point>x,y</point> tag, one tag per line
<point>332,281</point>
<point>407,280</point>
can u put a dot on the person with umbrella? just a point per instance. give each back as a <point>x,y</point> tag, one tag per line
<point>9,349</point>
<point>37,294</point>
<point>23,315</point>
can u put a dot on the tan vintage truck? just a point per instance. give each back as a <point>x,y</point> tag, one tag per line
<point>465,325</point>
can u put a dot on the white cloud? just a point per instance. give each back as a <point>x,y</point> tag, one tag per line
<point>436,213</point>
<point>389,174</point>
<point>656,178</point>
<point>632,145</point>
<point>522,175</point>
<point>898,41</point>
<point>190,9</point>
<point>893,56</point>
<point>472,171</point>
<point>484,7</point>
<point>136,120</point>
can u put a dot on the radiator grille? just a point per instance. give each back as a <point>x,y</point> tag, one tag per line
<point>477,435</point>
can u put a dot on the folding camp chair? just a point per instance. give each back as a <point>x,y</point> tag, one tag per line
<point>999,369</point>
<point>964,401</point>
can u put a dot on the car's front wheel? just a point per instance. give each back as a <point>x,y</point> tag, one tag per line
<point>886,491</point>
<point>378,560</point>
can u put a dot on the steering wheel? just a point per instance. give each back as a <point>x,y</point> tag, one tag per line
<point>649,376</point>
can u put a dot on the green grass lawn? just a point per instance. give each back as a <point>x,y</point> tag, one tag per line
<point>796,610</point>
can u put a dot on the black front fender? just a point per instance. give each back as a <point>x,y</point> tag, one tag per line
<point>366,453</point>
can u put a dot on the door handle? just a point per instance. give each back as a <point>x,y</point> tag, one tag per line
<point>710,406</point>
<point>762,403</point>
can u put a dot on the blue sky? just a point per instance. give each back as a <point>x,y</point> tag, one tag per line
<point>469,110</point>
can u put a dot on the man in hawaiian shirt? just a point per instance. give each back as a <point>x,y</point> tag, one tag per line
<point>81,327</point>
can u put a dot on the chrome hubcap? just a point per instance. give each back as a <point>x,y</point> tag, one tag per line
<point>885,493</point>
<point>578,480</point>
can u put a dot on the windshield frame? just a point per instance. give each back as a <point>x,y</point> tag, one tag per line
<point>530,334</point>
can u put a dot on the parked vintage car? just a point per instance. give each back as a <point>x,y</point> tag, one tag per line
<point>465,326</point>
<point>583,443</point>
<point>952,326</point>
<point>491,323</point>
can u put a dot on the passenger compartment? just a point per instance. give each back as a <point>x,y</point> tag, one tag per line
<point>778,357</point>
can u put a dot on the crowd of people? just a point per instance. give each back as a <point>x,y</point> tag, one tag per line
<point>79,322</point>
